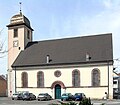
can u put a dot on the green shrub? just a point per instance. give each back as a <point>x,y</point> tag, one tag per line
<point>86,101</point>
<point>102,104</point>
<point>70,103</point>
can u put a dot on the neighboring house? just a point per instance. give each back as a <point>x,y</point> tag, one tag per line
<point>77,64</point>
<point>3,86</point>
<point>116,85</point>
<point>115,82</point>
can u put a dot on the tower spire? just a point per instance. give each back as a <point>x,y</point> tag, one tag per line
<point>20,7</point>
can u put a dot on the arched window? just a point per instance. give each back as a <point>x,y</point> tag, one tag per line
<point>95,77</point>
<point>76,78</point>
<point>40,79</point>
<point>24,79</point>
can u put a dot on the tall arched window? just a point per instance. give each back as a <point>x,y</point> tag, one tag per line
<point>95,77</point>
<point>76,78</point>
<point>24,79</point>
<point>40,79</point>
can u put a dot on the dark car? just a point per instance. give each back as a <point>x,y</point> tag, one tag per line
<point>79,96</point>
<point>116,94</point>
<point>20,96</point>
<point>67,97</point>
<point>28,96</point>
<point>44,96</point>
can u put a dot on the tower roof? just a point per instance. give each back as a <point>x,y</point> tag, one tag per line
<point>19,19</point>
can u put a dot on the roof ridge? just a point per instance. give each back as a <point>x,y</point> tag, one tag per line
<point>66,38</point>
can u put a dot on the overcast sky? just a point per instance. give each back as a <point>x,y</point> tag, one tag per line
<point>53,19</point>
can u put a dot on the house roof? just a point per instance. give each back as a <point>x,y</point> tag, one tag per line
<point>66,51</point>
<point>2,77</point>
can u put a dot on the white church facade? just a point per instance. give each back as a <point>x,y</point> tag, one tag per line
<point>68,65</point>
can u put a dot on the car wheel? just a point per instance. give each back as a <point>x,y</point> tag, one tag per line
<point>64,99</point>
<point>45,99</point>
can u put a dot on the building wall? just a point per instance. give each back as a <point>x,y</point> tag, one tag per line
<point>3,87</point>
<point>12,55</point>
<point>13,52</point>
<point>66,78</point>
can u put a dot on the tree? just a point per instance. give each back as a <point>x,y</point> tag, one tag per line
<point>2,46</point>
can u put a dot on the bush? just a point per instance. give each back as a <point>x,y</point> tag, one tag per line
<point>102,104</point>
<point>86,101</point>
<point>72,103</point>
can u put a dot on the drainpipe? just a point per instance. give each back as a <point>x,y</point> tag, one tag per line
<point>15,79</point>
<point>108,79</point>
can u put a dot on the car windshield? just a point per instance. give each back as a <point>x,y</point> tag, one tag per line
<point>16,94</point>
<point>26,94</point>
<point>42,94</point>
<point>66,94</point>
<point>78,94</point>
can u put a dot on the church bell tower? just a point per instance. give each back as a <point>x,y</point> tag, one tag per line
<point>19,34</point>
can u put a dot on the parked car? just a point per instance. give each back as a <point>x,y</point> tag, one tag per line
<point>116,94</point>
<point>28,96</point>
<point>67,97</point>
<point>15,96</point>
<point>79,96</point>
<point>20,96</point>
<point>44,96</point>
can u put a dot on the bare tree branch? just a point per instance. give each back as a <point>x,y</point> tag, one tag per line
<point>2,46</point>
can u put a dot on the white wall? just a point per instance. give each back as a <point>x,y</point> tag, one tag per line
<point>66,78</point>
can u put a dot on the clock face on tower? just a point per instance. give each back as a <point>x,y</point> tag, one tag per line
<point>15,43</point>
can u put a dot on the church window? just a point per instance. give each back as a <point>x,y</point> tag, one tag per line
<point>24,80</point>
<point>28,34</point>
<point>57,73</point>
<point>76,78</point>
<point>15,32</point>
<point>95,77</point>
<point>40,79</point>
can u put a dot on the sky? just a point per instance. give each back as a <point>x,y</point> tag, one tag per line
<point>54,19</point>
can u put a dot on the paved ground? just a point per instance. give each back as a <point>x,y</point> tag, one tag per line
<point>106,102</point>
<point>8,101</point>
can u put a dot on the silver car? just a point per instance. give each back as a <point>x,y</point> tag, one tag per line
<point>44,96</point>
<point>15,96</point>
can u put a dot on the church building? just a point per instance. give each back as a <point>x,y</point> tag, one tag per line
<point>69,65</point>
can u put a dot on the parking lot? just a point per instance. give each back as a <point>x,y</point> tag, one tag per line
<point>8,101</point>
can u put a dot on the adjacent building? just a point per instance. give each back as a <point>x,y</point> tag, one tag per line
<point>76,64</point>
<point>3,86</point>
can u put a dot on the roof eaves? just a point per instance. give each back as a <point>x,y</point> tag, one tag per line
<point>72,63</point>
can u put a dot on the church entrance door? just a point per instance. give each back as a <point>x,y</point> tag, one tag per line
<point>57,91</point>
